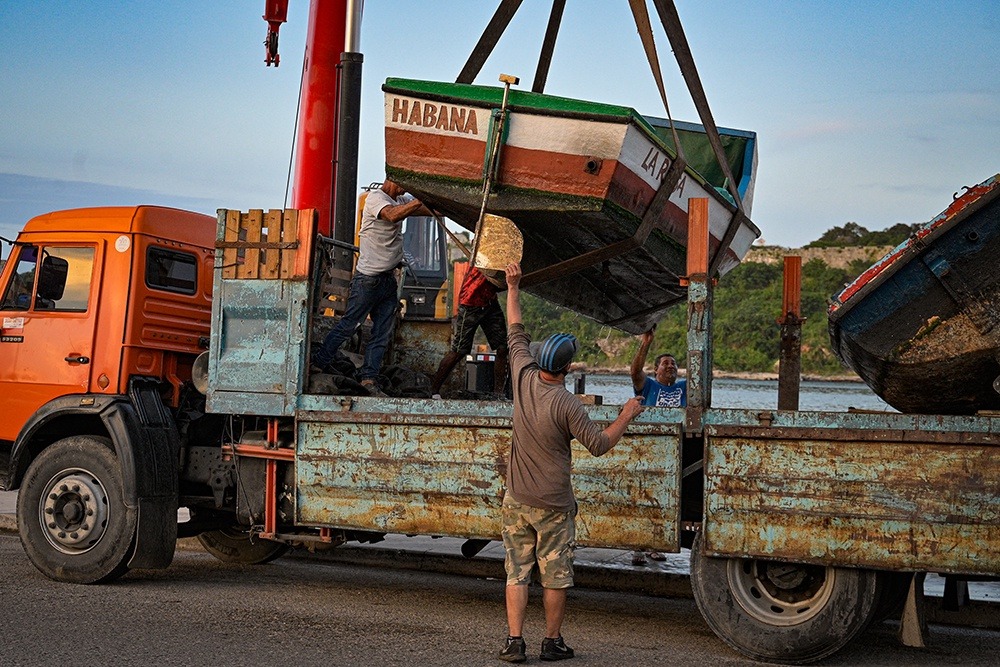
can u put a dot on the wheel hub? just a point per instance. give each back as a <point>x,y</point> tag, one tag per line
<point>74,511</point>
<point>781,594</point>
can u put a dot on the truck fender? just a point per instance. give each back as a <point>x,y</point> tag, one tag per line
<point>146,444</point>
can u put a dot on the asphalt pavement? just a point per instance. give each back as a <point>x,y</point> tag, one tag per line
<point>602,569</point>
<point>599,569</point>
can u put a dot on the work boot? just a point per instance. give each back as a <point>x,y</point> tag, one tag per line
<point>555,649</point>
<point>514,650</point>
<point>373,388</point>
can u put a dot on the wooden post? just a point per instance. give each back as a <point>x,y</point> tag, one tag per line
<point>790,356</point>
<point>699,333</point>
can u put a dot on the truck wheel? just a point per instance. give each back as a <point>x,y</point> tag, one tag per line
<point>782,612</point>
<point>233,546</point>
<point>71,513</point>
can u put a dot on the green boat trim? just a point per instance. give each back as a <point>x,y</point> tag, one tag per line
<point>492,96</point>
<point>528,102</point>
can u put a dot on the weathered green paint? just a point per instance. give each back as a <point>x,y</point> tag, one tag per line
<point>257,352</point>
<point>491,96</point>
<point>867,490</point>
<point>437,467</point>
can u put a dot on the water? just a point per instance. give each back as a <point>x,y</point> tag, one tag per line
<point>753,394</point>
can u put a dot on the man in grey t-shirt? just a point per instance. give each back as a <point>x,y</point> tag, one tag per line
<point>373,287</point>
<point>539,509</point>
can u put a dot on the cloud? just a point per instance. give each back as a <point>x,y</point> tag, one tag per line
<point>23,197</point>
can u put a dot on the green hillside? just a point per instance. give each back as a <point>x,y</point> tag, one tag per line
<point>747,305</point>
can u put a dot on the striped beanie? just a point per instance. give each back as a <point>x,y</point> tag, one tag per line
<point>556,352</point>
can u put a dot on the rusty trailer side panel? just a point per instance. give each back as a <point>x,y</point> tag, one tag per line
<point>881,491</point>
<point>437,468</point>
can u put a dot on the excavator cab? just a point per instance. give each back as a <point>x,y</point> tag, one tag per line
<point>424,289</point>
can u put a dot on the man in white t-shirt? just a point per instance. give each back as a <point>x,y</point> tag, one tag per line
<point>373,287</point>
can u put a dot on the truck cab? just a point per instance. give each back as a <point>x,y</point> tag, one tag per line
<point>102,314</point>
<point>94,297</point>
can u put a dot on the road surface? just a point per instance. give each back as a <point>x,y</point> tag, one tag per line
<point>303,612</point>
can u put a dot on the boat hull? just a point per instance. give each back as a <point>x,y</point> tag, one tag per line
<point>922,325</point>
<point>574,177</point>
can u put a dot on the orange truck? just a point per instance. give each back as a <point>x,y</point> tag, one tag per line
<point>104,312</point>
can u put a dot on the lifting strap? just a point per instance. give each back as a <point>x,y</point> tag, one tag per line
<point>682,52</point>
<point>645,29</point>
<point>488,40</point>
<point>548,46</point>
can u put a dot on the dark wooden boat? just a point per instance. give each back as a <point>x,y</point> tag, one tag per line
<point>922,325</point>
<point>577,179</point>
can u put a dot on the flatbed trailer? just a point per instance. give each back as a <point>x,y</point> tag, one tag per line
<point>805,526</point>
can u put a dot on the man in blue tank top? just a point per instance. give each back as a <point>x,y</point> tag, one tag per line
<point>663,389</point>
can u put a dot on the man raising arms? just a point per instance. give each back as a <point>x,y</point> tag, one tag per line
<point>539,509</point>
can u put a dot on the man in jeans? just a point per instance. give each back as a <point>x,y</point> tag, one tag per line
<point>478,307</point>
<point>539,510</point>
<point>373,287</point>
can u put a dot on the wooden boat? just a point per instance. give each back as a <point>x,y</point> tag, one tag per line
<point>577,179</point>
<point>922,325</point>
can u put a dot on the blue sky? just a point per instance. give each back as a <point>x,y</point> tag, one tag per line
<point>872,112</point>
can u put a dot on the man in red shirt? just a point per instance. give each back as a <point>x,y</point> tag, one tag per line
<point>477,307</point>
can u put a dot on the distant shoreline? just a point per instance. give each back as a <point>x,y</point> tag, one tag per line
<point>729,375</point>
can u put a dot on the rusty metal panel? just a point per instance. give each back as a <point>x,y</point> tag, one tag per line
<point>836,496</point>
<point>420,345</point>
<point>258,346</point>
<point>437,467</point>
<point>871,425</point>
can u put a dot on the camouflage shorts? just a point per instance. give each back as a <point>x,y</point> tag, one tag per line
<point>538,537</point>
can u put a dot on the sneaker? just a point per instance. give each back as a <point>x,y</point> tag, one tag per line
<point>555,649</point>
<point>514,650</point>
<point>373,388</point>
<point>657,556</point>
<point>436,397</point>
<point>638,558</point>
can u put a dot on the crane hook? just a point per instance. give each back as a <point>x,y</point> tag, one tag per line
<point>275,13</point>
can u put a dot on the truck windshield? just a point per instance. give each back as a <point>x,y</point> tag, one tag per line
<point>17,296</point>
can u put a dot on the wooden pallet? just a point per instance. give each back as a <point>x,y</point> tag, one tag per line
<point>276,245</point>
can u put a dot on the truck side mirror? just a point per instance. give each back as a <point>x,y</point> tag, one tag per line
<point>52,279</point>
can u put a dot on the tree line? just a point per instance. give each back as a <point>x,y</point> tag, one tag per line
<point>747,306</point>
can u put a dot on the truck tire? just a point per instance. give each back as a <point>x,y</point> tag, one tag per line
<point>234,546</point>
<point>782,612</point>
<point>71,513</point>
<point>891,595</point>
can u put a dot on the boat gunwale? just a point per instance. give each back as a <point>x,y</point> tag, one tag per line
<point>908,250</point>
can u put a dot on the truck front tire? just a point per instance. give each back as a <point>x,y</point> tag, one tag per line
<point>782,612</point>
<point>71,513</point>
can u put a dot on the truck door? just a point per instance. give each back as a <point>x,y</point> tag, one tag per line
<point>47,323</point>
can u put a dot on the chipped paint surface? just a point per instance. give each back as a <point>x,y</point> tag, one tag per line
<point>880,270</point>
<point>863,490</point>
<point>420,345</point>
<point>258,346</point>
<point>437,468</point>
